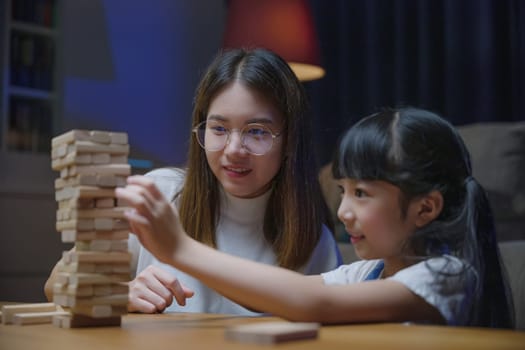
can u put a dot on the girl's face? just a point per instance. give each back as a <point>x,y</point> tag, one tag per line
<point>241,173</point>
<point>371,213</point>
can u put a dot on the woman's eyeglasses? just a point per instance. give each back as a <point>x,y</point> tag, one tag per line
<point>256,138</point>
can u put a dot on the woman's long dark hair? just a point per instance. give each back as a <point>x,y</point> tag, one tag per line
<point>419,152</point>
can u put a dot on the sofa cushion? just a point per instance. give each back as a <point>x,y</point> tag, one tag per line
<point>497,152</point>
<point>514,262</point>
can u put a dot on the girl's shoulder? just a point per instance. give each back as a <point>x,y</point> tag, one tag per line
<point>168,180</point>
<point>351,273</point>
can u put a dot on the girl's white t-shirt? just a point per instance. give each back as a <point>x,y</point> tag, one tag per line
<point>441,281</point>
<point>240,233</point>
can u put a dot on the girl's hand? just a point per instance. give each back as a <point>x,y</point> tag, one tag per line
<point>153,291</point>
<point>152,218</point>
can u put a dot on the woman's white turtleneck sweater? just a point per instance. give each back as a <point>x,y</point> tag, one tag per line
<point>240,233</point>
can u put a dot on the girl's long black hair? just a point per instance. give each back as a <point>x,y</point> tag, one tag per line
<point>418,151</point>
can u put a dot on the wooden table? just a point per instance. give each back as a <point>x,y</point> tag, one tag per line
<point>206,331</point>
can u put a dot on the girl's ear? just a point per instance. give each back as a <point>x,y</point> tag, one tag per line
<point>429,208</point>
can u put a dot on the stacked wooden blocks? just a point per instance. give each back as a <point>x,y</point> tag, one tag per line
<point>92,278</point>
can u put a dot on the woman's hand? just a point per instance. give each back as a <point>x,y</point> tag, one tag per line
<point>153,291</point>
<point>152,218</point>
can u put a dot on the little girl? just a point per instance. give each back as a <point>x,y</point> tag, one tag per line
<point>416,216</point>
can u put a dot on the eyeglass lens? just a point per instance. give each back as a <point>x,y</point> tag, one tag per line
<point>213,136</point>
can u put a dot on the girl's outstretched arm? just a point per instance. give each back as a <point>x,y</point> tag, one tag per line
<point>266,288</point>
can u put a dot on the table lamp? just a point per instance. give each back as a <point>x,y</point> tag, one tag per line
<point>284,26</point>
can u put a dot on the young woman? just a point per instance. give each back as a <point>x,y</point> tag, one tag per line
<point>414,213</point>
<point>250,188</point>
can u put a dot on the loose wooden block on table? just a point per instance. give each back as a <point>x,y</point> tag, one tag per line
<point>8,311</point>
<point>272,332</point>
<point>36,317</point>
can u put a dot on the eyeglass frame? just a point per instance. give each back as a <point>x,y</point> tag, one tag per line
<point>229,131</point>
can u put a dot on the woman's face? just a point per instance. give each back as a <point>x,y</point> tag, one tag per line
<point>241,173</point>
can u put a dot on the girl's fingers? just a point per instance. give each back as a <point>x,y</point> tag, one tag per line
<point>146,183</point>
<point>137,198</point>
<point>137,219</point>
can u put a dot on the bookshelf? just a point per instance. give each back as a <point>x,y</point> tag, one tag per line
<point>30,88</point>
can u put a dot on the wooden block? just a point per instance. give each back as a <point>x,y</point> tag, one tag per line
<point>77,225</point>
<point>115,288</point>
<point>102,245</point>
<point>84,192</point>
<point>106,169</point>
<point>99,224</point>
<point>8,311</point>
<point>75,213</point>
<point>59,151</point>
<point>120,138</point>
<point>79,180</point>
<point>77,267</point>
<point>100,311</point>
<point>119,159</point>
<point>120,225</point>
<point>100,136</point>
<point>105,203</point>
<point>111,180</point>
<point>90,290</point>
<point>73,289</point>
<point>79,321</point>
<point>89,267</point>
<point>115,268</point>
<point>69,137</point>
<point>82,279</point>
<point>70,159</point>
<point>114,303</point>
<point>109,300</point>
<point>272,332</point>
<point>74,235</point>
<point>78,203</point>
<point>93,147</point>
<point>103,224</point>
<point>96,257</point>
<point>101,158</point>
<point>64,173</point>
<point>99,245</point>
<point>36,317</point>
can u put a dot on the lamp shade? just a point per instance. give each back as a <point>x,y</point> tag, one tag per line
<point>284,26</point>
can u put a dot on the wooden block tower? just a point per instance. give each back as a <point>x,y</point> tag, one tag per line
<point>92,278</point>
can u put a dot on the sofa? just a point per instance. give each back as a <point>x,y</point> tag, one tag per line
<point>497,152</point>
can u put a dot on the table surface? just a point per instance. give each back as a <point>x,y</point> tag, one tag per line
<point>206,331</point>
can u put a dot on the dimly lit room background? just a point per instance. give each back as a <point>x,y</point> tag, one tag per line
<point>133,66</point>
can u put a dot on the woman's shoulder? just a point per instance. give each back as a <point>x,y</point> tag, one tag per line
<point>169,172</point>
<point>169,180</point>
